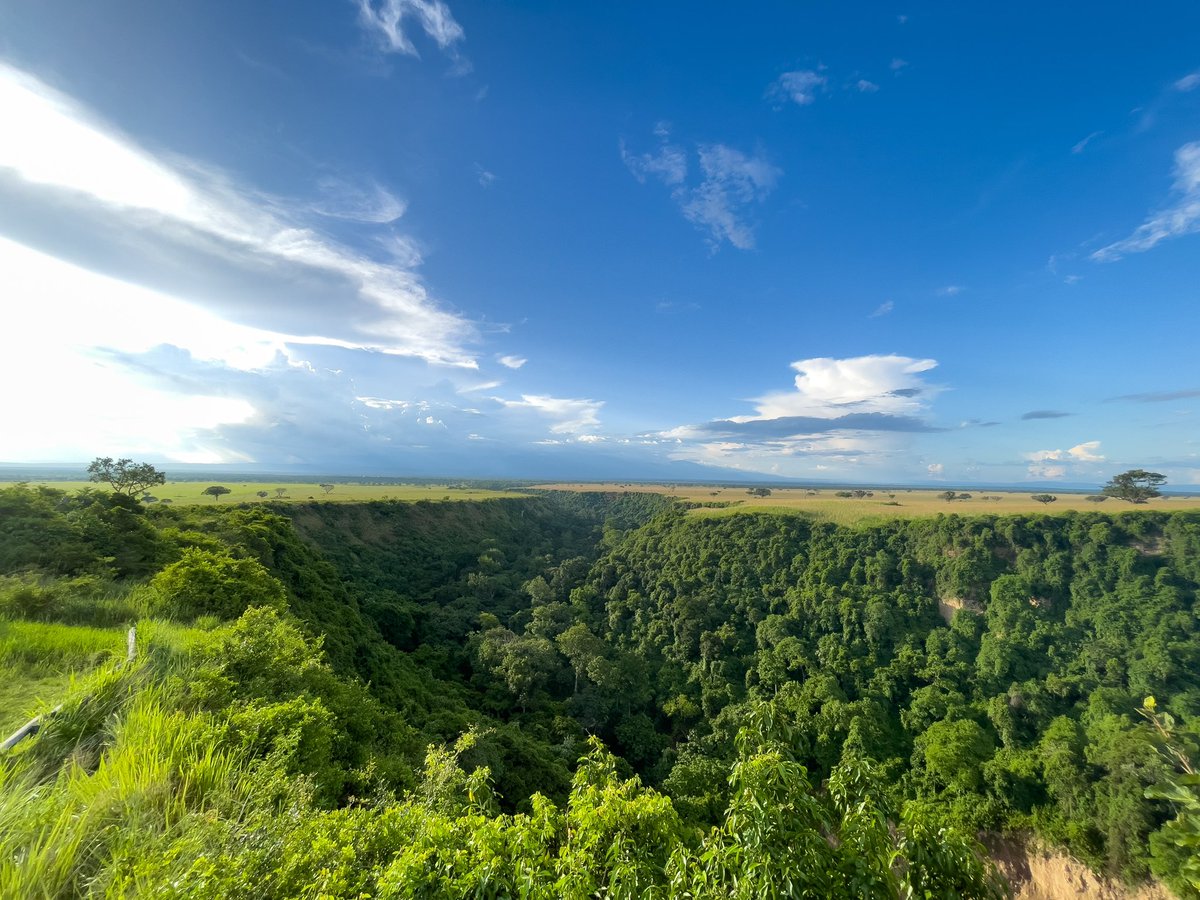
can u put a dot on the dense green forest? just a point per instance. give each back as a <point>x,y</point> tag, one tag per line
<point>578,695</point>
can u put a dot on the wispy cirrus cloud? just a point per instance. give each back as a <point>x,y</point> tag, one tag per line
<point>369,203</point>
<point>1082,145</point>
<point>387,21</point>
<point>1188,82</point>
<point>882,309</point>
<point>669,164</point>
<point>73,185</point>
<point>1180,218</point>
<point>511,362</point>
<point>800,87</point>
<point>1159,396</point>
<point>730,184</point>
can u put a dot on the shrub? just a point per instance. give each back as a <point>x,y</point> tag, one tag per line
<point>206,583</point>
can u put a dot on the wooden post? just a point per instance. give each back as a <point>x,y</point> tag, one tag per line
<point>31,727</point>
<point>131,644</point>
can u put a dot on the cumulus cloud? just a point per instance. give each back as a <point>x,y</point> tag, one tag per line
<point>571,416</point>
<point>1180,218</point>
<point>935,470</point>
<point>828,388</point>
<point>1040,470</point>
<point>512,362</point>
<point>799,87</point>
<point>846,413</point>
<point>387,20</point>
<point>730,184</point>
<point>1039,460</point>
<point>866,87</point>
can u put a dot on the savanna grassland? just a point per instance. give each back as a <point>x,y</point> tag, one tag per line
<point>192,492</point>
<point>884,503</point>
<point>588,693</point>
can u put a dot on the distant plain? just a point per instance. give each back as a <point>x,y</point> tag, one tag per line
<point>825,505</point>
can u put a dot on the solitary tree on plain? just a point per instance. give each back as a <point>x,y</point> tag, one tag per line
<point>327,488</point>
<point>124,475</point>
<point>1136,486</point>
<point>1044,498</point>
<point>279,492</point>
<point>215,491</point>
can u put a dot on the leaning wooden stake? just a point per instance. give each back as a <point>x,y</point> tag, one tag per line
<point>34,725</point>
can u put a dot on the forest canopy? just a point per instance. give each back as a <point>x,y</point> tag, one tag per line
<point>574,693</point>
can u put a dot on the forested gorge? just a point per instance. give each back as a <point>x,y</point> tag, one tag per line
<point>574,695</point>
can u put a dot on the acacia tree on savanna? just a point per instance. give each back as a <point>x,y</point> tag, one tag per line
<point>1136,485</point>
<point>124,475</point>
<point>1044,498</point>
<point>216,490</point>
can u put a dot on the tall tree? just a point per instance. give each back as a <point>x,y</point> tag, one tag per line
<point>124,475</point>
<point>1136,485</point>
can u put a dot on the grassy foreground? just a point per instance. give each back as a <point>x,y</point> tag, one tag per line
<point>825,505</point>
<point>191,492</point>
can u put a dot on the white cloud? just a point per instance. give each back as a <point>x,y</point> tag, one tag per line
<point>1040,460</point>
<point>1047,472</point>
<point>1082,145</point>
<point>512,362</point>
<point>1188,82</point>
<point>951,290</point>
<point>669,164</point>
<point>111,197</point>
<point>898,64</point>
<point>866,87</point>
<point>571,415</point>
<point>799,87</point>
<point>731,183</point>
<point>485,178</point>
<point>935,470</point>
<point>369,203</point>
<point>1086,452</point>
<point>828,388</point>
<point>386,20</point>
<point>1179,219</point>
<point>844,414</point>
<point>883,309</point>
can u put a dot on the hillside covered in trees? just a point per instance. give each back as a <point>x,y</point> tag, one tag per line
<point>579,695</point>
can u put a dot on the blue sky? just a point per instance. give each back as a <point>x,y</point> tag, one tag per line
<point>927,243</point>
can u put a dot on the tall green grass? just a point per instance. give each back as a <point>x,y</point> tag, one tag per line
<point>45,647</point>
<point>132,772</point>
